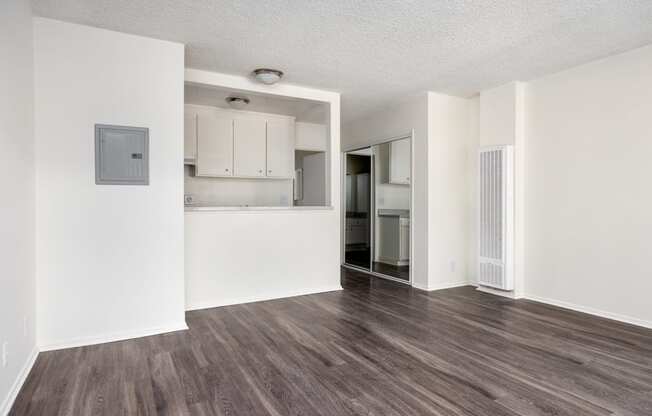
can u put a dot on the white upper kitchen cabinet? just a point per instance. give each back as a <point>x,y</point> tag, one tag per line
<point>190,137</point>
<point>249,151</point>
<point>280,148</point>
<point>311,136</point>
<point>399,162</point>
<point>239,144</point>
<point>214,145</point>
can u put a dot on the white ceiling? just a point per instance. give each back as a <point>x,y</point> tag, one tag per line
<point>302,110</point>
<point>375,51</point>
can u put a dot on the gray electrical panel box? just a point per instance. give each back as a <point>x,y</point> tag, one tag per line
<point>121,155</point>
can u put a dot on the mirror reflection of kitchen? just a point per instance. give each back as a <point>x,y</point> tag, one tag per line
<point>358,207</point>
<point>392,208</point>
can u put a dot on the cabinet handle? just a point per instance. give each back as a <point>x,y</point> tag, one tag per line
<point>270,171</point>
<point>260,171</point>
<point>226,170</point>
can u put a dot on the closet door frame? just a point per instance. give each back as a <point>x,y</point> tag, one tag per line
<point>372,204</point>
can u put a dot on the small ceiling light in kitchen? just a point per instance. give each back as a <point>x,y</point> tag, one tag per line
<point>268,76</point>
<point>237,102</point>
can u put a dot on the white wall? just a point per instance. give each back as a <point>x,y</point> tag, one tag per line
<point>17,279</point>
<point>499,113</point>
<point>109,258</point>
<point>251,255</point>
<point>244,256</point>
<point>588,199</point>
<point>397,120</point>
<point>233,192</point>
<point>452,130</point>
<point>501,122</point>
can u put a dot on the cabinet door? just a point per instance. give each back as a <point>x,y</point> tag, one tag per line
<point>190,136</point>
<point>214,145</point>
<point>310,136</point>
<point>354,232</point>
<point>399,162</point>
<point>404,245</point>
<point>249,147</point>
<point>280,148</point>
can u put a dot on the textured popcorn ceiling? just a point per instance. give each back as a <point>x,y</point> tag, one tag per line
<point>375,51</point>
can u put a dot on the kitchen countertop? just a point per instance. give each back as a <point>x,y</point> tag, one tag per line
<point>402,213</point>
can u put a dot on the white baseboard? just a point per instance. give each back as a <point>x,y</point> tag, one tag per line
<point>18,383</point>
<point>119,336</point>
<point>249,299</point>
<point>441,286</point>
<point>591,311</point>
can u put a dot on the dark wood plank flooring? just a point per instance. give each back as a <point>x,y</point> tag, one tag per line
<point>376,348</point>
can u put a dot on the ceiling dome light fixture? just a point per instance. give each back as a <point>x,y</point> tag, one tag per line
<point>237,102</point>
<point>268,76</point>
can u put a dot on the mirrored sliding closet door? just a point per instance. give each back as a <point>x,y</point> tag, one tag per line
<point>378,208</point>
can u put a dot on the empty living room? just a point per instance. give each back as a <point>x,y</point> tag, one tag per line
<point>326,207</point>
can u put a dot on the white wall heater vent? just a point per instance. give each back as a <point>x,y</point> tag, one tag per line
<point>496,217</point>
